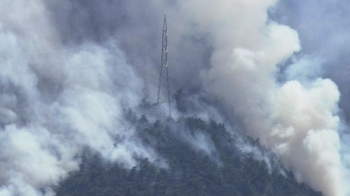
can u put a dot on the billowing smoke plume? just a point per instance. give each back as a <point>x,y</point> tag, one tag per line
<point>68,68</point>
<point>55,101</point>
<point>297,121</point>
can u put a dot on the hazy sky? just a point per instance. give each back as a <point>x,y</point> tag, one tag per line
<point>70,67</point>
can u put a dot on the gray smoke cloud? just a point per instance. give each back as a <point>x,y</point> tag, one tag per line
<point>322,27</point>
<point>70,67</point>
<point>295,120</point>
<point>56,101</point>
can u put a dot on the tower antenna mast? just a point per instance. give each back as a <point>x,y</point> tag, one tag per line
<point>163,95</point>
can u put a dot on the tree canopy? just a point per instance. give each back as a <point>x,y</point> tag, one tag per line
<point>225,170</point>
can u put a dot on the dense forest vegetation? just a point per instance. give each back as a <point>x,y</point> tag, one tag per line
<point>191,170</point>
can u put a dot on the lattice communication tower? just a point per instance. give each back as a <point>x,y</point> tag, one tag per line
<point>163,97</point>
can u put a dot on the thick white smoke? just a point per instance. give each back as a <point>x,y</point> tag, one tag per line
<point>56,101</point>
<point>297,121</point>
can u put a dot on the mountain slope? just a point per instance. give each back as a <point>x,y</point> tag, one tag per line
<point>202,159</point>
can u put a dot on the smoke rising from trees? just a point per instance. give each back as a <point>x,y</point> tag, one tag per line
<point>70,67</point>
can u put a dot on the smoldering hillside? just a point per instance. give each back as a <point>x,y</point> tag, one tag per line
<point>69,68</point>
<point>202,158</point>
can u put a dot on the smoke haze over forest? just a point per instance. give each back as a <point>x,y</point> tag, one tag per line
<point>275,70</point>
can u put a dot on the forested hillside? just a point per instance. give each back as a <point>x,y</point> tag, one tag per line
<point>220,168</point>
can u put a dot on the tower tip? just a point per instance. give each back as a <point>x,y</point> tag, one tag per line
<point>164,23</point>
